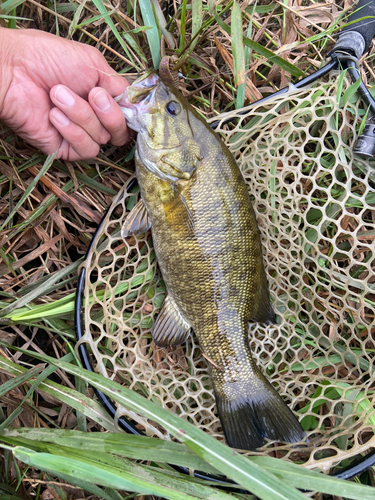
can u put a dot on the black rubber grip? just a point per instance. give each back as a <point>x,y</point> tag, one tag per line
<point>366,27</point>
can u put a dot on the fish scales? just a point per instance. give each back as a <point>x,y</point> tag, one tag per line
<point>208,248</point>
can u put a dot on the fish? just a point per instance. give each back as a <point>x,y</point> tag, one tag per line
<point>207,243</point>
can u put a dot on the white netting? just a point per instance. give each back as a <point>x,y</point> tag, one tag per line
<point>315,206</point>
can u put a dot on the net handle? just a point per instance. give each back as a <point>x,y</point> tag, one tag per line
<point>363,27</point>
<point>356,36</point>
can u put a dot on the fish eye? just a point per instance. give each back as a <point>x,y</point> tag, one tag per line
<point>173,108</point>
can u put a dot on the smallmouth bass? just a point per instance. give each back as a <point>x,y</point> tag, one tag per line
<point>195,200</point>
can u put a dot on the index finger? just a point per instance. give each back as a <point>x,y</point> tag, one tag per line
<point>110,115</point>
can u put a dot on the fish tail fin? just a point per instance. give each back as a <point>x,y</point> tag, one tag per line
<point>257,414</point>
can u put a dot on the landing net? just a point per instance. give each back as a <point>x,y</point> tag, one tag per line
<point>315,206</point>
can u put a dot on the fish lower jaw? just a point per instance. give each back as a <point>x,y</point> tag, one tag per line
<point>131,114</point>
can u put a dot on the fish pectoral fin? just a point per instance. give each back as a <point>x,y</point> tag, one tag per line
<point>189,215</point>
<point>170,328</point>
<point>137,221</point>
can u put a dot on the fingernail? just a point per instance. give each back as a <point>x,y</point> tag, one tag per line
<point>64,96</point>
<point>60,117</point>
<point>102,101</point>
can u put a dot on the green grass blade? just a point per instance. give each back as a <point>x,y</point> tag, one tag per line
<point>364,404</point>
<point>237,45</point>
<point>30,187</point>
<point>124,445</point>
<point>20,379</point>
<point>57,308</point>
<point>87,21</point>
<point>128,35</point>
<point>107,470</point>
<point>266,53</point>
<point>197,18</point>
<point>241,91</point>
<point>363,122</point>
<point>12,21</point>
<point>65,305</point>
<point>7,422</point>
<point>101,8</point>
<point>121,444</point>
<point>39,378</point>
<point>162,23</point>
<point>182,26</point>
<point>349,92</point>
<point>72,398</point>
<point>77,14</point>
<point>340,84</point>
<point>273,58</point>
<point>238,55</point>
<point>315,481</point>
<point>37,213</point>
<point>153,449</point>
<point>153,33</point>
<point>43,289</point>
<point>73,468</point>
<point>251,477</point>
<point>16,18</point>
<point>87,486</point>
<point>10,5</point>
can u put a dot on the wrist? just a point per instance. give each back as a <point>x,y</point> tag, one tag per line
<point>6,67</point>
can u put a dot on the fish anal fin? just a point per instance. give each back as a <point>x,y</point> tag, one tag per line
<point>263,311</point>
<point>170,328</point>
<point>265,314</point>
<point>137,221</point>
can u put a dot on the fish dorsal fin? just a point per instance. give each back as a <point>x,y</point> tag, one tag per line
<point>137,221</point>
<point>263,311</point>
<point>170,328</point>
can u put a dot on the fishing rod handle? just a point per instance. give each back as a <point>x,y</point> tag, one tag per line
<point>356,38</point>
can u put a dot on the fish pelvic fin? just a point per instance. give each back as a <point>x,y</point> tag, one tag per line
<point>170,328</point>
<point>250,416</point>
<point>137,221</point>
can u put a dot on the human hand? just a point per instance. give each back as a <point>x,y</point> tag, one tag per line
<point>58,94</point>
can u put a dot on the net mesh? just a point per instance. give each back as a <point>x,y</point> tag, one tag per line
<point>315,206</point>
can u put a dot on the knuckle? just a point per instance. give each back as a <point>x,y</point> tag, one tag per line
<point>85,116</point>
<point>105,137</point>
<point>94,52</point>
<point>80,136</point>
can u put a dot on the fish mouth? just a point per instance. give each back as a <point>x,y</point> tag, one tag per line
<point>138,96</point>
